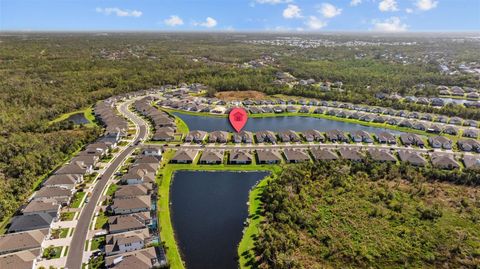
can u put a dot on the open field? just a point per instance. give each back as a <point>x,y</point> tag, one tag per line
<point>240,95</point>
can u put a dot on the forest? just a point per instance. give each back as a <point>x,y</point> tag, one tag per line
<point>43,75</point>
<point>370,215</point>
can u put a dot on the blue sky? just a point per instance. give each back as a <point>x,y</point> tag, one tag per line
<point>241,15</point>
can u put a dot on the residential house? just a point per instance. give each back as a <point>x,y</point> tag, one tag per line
<point>42,206</point>
<point>240,157</point>
<point>472,133</point>
<point>125,191</point>
<point>380,155</point>
<point>411,140</point>
<point>313,135</point>
<point>75,168</point>
<point>412,157</point>
<point>126,242</point>
<point>218,137</point>
<point>444,161</point>
<point>336,136</point>
<point>212,156</point>
<point>152,151</point>
<point>64,180</point>
<point>196,136</point>
<point>323,154</point>
<point>137,176</point>
<point>265,137</point>
<point>351,154</point>
<point>471,162</point>
<point>31,222</point>
<point>450,130</point>
<point>184,156</point>
<point>361,136</point>
<point>267,156</point>
<point>26,259</point>
<point>295,156</point>
<point>61,194</point>
<point>288,136</point>
<point>243,136</point>
<point>129,205</point>
<point>440,142</point>
<point>21,241</point>
<point>469,144</point>
<point>386,138</point>
<point>146,258</point>
<point>125,223</point>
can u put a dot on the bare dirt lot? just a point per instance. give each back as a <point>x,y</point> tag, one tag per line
<point>240,95</point>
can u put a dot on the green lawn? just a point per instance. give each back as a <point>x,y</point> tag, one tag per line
<point>90,178</point>
<point>52,252</point>
<point>111,189</point>
<point>101,221</point>
<point>87,113</point>
<point>97,242</point>
<point>60,233</point>
<point>166,230</point>
<point>67,216</point>
<point>77,199</point>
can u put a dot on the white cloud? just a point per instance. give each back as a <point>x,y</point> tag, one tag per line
<point>273,2</point>
<point>409,10</point>
<point>329,10</point>
<point>292,11</point>
<point>390,25</point>
<point>315,23</point>
<point>209,23</point>
<point>173,21</point>
<point>426,4</point>
<point>119,12</point>
<point>388,5</point>
<point>354,3</point>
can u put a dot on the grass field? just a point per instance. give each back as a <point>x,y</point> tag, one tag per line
<point>77,199</point>
<point>87,113</point>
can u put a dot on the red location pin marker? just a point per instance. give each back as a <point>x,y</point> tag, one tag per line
<point>238,118</point>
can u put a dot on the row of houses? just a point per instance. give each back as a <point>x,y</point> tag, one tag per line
<point>334,108</point>
<point>163,124</point>
<point>298,155</point>
<point>22,246</point>
<point>132,222</point>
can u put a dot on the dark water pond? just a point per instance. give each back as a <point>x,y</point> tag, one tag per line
<point>78,118</point>
<point>295,123</point>
<point>208,212</point>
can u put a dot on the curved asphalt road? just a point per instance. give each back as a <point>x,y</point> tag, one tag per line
<point>75,254</point>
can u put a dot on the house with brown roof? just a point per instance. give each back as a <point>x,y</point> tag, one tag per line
<point>126,242</point>
<point>412,157</point>
<point>218,137</point>
<point>351,154</point>
<point>131,222</point>
<point>386,138</point>
<point>380,155</point>
<point>323,154</point>
<point>313,135</point>
<point>89,160</point>
<point>26,259</point>
<point>129,205</point>
<point>75,168</point>
<point>243,137</point>
<point>164,134</point>
<point>440,142</point>
<point>444,160</point>
<point>211,156</point>
<point>64,180</point>
<point>61,194</point>
<point>184,156</point>
<point>196,136</point>
<point>146,258</point>
<point>21,241</point>
<point>360,136</point>
<point>295,155</point>
<point>124,191</point>
<point>471,162</point>
<point>238,156</point>
<point>267,156</point>
<point>137,176</point>
<point>288,136</point>
<point>266,137</point>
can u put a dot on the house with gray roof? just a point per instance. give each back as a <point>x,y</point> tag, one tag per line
<point>295,155</point>
<point>31,222</point>
<point>386,138</point>
<point>238,156</point>
<point>126,242</point>
<point>336,136</point>
<point>61,194</point>
<point>211,156</point>
<point>440,142</point>
<point>64,180</point>
<point>131,222</point>
<point>412,157</point>
<point>218,137</point>
<point>184,156</point>
<point>352,154</point>
<point>125,191</point>
<point>313,135</point>
<point>469,144</point>
<point>129,205</point>
<point>243,137</point>
<point>472,133</point>
<point>145,258</point>
<point>444,160</point>
<point>471,162</point>
<point>450,130</point>
<point>288,136</point>
<point>42,206</point>
<point>323,154</point>
<point>268,156</point>
<point>26,259</point>
<point>266,137</point>
<point>380,155</point>
<point>196,136</point>
<point>409,139</point>
<point>360,136</point>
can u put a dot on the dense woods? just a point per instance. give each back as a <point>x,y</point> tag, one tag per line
<point>43,75</point>
<point>369,215</point>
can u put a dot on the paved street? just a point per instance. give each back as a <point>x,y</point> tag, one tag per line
<point>75,255</point>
